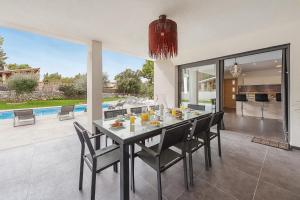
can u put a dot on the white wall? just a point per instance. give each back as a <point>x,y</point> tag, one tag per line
<point>270,36</point>
<point>165,83</point>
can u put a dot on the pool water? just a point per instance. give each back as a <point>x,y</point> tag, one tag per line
<point>45,111</point>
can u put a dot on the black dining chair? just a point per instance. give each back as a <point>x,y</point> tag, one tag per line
<point>160,157</point>
<point>196,107</point>
<point>154,107</point>
<point>138,110</point>
<point>199,137</point>
<point>110,114</point>
<point>96,160</point>
<point>216,120</point>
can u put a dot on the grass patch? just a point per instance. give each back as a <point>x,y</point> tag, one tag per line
<point>47,103</point>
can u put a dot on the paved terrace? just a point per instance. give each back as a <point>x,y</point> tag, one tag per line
<point>46,166</point>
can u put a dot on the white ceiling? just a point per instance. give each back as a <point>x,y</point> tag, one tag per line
<point>123,25</point>
<point>258,63</point>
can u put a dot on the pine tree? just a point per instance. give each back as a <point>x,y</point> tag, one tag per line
<point>2,54</point>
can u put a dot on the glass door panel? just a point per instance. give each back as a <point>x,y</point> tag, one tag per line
<point>198,86</point>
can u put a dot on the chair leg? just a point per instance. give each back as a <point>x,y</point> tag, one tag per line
<point>93,185</point>
<point>219,144</point>
<point>115,168</point>
<point>191,169</point>
<point>185,173</point>
<point>206,156</point>
<point>209,152</point>
<point>106,138</point>
<point>81,173</point>
<point>159,192</point>
<point>132,168</point>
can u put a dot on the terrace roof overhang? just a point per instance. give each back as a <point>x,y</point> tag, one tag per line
<point>122,26</point>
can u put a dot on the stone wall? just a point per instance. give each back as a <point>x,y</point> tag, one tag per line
<point>36,95</point>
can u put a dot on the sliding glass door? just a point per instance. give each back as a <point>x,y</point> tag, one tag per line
<point>198,86</point>
<point>202,82</point>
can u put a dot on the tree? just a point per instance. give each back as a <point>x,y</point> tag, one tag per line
<point>22,83</point>
<point>80,85</point>
<point>128,82</point>
<point>105,79</point>
<point>15,66</point>
<point>148,71</point>
<point>2,54</point>
<point>55,77</point>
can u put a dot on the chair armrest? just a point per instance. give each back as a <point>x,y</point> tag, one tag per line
<point>148,150</point>
<point>105,150</point>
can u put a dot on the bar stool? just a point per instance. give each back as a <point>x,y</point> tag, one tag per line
<point>242,98</point>
<point>262,98</point>
<point>278,97</point>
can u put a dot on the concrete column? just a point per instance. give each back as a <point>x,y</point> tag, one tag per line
<point>193,91</point>
<point>94,83</point>
<point>166,83</point>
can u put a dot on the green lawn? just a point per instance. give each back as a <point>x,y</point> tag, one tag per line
<point>47,103</point>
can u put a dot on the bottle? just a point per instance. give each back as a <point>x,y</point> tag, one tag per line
<point>161,111</point>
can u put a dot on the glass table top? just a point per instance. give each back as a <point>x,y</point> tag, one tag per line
<point>128,130</point>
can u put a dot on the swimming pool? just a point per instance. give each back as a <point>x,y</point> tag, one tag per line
<point>45,111</point>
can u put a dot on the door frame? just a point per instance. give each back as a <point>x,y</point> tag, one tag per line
<point>219,61</point>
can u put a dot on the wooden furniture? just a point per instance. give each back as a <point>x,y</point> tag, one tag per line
<point>230,89</point>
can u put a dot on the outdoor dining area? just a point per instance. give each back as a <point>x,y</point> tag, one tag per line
<point>179,133</point>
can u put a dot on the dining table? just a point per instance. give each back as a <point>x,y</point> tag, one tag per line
<point>140,130</point>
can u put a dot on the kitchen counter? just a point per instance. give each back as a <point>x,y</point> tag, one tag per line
<point>272,109</point>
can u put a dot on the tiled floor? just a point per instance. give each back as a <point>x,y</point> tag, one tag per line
<point>267,128</point>
<point>49,169</point>
<point>46,127</point>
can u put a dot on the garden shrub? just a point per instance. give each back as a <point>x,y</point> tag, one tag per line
<point>68,90</point>
<point>22,83</point>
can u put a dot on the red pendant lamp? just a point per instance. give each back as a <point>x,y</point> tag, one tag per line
<point>163,38</point>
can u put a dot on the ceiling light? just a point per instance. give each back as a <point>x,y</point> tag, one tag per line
<point>278,66</point>
<point>163,38</point>
<point>235,70</point>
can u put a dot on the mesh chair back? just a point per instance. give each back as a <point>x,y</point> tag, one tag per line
<point>114,113</point>
<point>201,127</point>
<point>67,109</point>
<point>154,107</point>
<point>84,137</point>
<point>217,118</point>
<point>20,113</point>
<point>173,136</point>
<point>196,107</point>
<point>138,110</point>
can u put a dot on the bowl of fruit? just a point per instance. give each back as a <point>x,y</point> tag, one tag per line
<point>117,124</point>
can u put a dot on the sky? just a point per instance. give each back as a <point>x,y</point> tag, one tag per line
<point>53,55</point>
